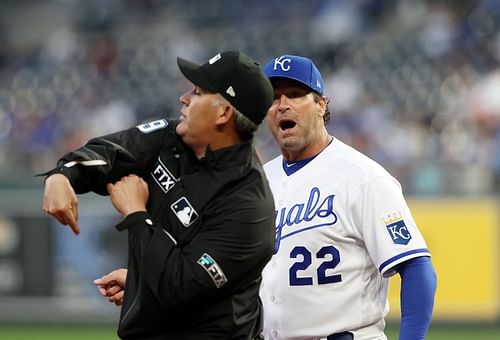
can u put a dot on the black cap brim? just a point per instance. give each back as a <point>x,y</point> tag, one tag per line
<point>194,73</point>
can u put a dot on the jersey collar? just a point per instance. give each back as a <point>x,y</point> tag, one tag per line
<point>291,167</point>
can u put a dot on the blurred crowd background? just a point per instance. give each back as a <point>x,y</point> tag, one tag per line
<point>414,84</point>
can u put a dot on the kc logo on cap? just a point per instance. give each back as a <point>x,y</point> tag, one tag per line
<point>298,68</point>
<point>282,62</point>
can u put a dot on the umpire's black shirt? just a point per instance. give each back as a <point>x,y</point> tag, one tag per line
<point>196,256</point>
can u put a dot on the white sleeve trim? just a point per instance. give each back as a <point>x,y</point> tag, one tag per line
<point>94,162</point>
<point>171,237</point>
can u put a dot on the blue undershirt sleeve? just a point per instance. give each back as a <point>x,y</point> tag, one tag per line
<point>418,287</point>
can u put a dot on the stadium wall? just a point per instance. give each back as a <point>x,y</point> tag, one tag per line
<point>43,265</point>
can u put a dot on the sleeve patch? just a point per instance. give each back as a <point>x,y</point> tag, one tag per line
<point>152,126</point>
<point>213,269</point>
<point>397,229</point>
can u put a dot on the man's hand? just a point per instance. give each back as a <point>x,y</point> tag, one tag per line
<point>112,285</point>
<point>128,195</point>
<point>60,201</point>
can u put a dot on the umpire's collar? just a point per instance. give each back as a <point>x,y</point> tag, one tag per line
<point>234,155</point>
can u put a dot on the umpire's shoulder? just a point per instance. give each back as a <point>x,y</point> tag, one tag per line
<point>154,125</point>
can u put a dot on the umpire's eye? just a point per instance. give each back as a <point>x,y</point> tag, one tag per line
<point>287,124</point>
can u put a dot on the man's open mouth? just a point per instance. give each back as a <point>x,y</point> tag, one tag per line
<point>287,124</point>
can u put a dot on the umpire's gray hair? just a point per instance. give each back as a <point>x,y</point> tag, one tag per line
<point>244,126</point>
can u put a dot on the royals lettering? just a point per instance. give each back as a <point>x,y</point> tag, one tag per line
<point>315,213</point>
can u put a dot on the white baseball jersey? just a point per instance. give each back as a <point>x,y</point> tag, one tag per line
<point>342,225</point>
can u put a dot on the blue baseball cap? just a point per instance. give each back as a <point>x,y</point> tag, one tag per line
<point>297,68</point>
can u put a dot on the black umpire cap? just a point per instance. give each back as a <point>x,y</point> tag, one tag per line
<point>237,78</point>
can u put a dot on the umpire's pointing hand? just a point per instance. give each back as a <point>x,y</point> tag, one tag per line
<point>60,201</point>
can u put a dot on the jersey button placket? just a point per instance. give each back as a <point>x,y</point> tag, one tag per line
<point>281,202</point>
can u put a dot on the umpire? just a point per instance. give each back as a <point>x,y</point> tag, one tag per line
<point>196,205</point>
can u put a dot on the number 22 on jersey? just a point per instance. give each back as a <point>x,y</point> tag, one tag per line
<point>304,260</point>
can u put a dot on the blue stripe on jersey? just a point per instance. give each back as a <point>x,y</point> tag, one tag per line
<point>424,252</point>
<point>292,167</point>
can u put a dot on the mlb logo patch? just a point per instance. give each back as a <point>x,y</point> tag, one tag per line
<point>184,211</point>
<point>398,231</point>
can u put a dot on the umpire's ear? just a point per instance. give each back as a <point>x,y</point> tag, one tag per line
<point>225,114</point>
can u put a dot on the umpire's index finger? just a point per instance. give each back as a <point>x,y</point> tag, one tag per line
<point>74,209</point>
<point>72,223</point>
